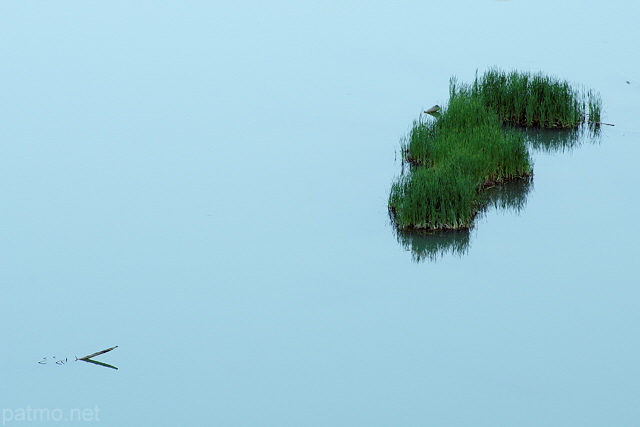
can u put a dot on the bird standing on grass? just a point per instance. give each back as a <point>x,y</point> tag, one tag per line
<point>433,109</point>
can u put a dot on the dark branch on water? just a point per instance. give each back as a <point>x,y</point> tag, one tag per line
<point>98,353</point>
<point>95,362</point>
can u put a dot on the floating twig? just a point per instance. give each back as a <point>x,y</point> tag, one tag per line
<point>97,354</point>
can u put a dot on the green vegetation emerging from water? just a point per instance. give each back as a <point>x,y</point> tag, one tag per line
<point>536,100</point>
<point>459,154</point>
<point>470,138</point>
<point>467,148</point>
<point>432,246</point>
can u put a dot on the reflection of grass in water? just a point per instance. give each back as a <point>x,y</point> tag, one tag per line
<point>561,140</point>
<point>594,104</point>
<point>95,362</point>
<point>511,196</point>
<point>432,246</point>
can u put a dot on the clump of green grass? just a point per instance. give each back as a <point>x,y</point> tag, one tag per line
<point>456,156</point>
<point>472,132</point>
<point>433,198</point>
<point>536,100</point>
<point>467,148</point>
<point>433,245</point>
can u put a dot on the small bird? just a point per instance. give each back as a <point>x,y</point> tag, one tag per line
<point>433,109</point>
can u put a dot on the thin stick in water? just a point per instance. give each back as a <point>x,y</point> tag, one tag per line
<point>98,353</point>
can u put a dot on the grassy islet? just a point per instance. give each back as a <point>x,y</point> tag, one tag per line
<point>472,145</point>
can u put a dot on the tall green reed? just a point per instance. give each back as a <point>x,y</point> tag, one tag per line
<point>453,158</point>
<point>536,100</point>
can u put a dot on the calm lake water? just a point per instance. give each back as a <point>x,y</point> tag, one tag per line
<point>204,184</point>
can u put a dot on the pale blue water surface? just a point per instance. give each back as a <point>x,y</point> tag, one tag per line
<point>204,184</point>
